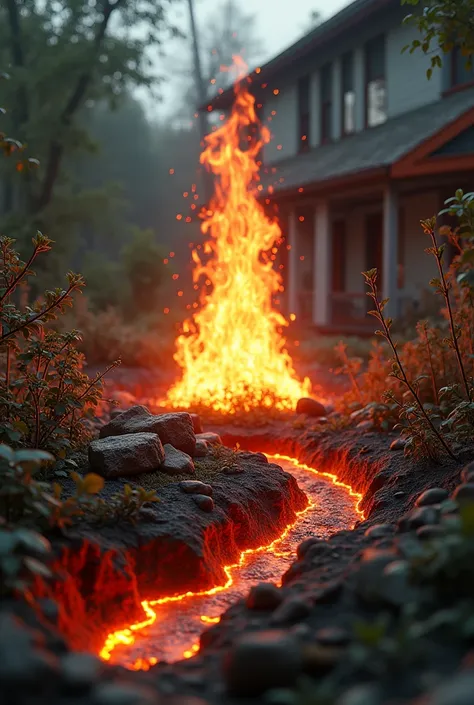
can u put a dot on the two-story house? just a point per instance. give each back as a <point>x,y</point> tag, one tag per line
<point>364,147</point>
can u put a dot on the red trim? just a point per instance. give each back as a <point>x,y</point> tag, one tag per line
<point>459,88</point>
<point>418,161</point>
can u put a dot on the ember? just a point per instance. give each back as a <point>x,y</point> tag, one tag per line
<point>231,352</point>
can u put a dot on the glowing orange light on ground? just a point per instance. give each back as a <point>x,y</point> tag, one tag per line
<point>127,636</point>
<point>231,352</point>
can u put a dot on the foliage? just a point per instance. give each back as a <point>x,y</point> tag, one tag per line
<point>45,397</point>
<point>424,387</point>
<point>443,25</point>
<point>143,266</point>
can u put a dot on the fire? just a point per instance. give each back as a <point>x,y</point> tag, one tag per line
<point>232,352</point>
<point>127,636</point>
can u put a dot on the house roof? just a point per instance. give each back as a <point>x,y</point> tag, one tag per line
<point>320,36</point>
<point>371,149</point>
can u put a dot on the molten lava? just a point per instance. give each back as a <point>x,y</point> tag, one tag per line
<point>231,352</point>
<point>169,611</point>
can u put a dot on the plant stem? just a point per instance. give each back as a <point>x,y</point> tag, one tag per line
<point>438,255</point>
<point>404,376</point>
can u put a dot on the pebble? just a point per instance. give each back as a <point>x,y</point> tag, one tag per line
<point>379,531</point>
<point>264,596</point>
<point>293,609</point>
<point>399,494</point>
<point>421,516</point>
<point>398,444</point>
<point>123,694</point>
<point>195,487</point>
<point>204,502</point>
<point>210,437</point>
<point>464,494</point>
<point>305,545</point>
<point>232,470</point>
<point>310,407</point>
<point>202,448</point>
<point>80,671</point>
<point>260,661</point>
<point>435,495</point>
<point>428,533</point>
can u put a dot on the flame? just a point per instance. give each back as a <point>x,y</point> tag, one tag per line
<point>127,636</point>
<point>231,352</point>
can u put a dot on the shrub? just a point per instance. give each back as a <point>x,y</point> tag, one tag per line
<point>425,386</point>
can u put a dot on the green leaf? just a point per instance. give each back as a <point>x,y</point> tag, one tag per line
<point>92,483</point>
<point>7,453</point>
<point>38,457</point>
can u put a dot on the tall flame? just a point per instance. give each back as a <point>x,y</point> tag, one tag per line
<point>231,352</point>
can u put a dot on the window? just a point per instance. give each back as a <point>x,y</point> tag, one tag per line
<point>375,86</point>
<point>326,103</point>
<point>304,113</point>
<point>348,95</point>
<point>339,255</point>
<point>460,74</point>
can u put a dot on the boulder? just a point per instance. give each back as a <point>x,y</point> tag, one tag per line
<point>464,494</point>
<point>195,487</point>
<point>176,462</point>
<point>211,438</point>
<point>435,495</point>
<point>175,428</point>
<point>130,454</point>
<point>310,407</point>
<point>264,596</point>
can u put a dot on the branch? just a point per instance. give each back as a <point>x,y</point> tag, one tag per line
<point>56,148</point>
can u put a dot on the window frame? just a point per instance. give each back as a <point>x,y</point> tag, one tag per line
<point>376,77</point>
<point>326,104</point>
<point>348,56</point>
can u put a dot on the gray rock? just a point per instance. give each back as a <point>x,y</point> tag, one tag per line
<point>456,691</point>
<point>332,636</point>
<point>260,661</point>
<point>123,694</point>
<point>464,494</point>
<point>80,671</point>
<point>195,487</point>
<point>210,437</point>
<point>259,457</point>
<point>399,494</point>
<point>122,456</point>
<point>435,495</point>
<point>175,428</point>
<point>305,545</point>
<point>201,449</point>
<point>430,532</point>
<point>421,516</point>
<point>204,502</point>
<point>292,610</point>
<point>23,661</point>
<point>467,473</point>
<point>176,462</point>
<point>398,444</point>
<point>310,407</point>
<point>379,531</point>
<point>114,412</point>
<point>232,469</point>
<point>197,423</point>
<point>264,596</point>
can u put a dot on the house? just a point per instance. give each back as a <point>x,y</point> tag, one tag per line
<point>364,147</point>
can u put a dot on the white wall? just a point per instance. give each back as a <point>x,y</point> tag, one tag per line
<point>283,125</point>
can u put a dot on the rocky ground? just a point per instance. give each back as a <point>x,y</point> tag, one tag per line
<point>380,615</point>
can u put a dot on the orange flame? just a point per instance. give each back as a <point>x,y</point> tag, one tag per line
<point>231,352</point>
<point>127,636</point>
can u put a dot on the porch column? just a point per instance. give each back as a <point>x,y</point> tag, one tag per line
<point>390,250</point>
<point>292,280</point>
<point>322,265</point>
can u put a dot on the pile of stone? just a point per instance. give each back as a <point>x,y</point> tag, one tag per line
<point>136,441</point>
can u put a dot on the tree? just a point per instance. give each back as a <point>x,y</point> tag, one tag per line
<point>225,34</point>
<point>64,54</point>
<point>143,265</point>
<point>443,25</point>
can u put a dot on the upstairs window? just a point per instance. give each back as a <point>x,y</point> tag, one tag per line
<point>461,74</point>
<point>348,94</point>
<point>304,113</point>
<point>326,103</point>
<point>375,83</point>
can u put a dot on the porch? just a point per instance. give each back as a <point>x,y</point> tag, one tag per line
<point>330,241</point>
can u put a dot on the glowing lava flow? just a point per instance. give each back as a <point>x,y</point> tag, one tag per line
<point>231,352</point>
<point>127,636</point>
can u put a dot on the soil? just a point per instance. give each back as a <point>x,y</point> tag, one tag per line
<point>258,655</point>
